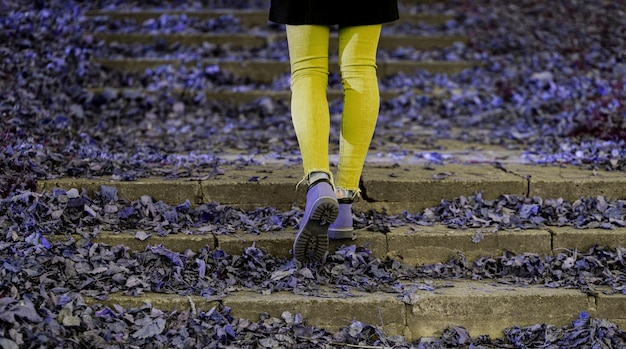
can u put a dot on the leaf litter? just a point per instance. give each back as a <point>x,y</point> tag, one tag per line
<point>65,271</point>
<point>552,90</point>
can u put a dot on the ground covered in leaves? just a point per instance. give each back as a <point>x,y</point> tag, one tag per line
<point>551,84</point>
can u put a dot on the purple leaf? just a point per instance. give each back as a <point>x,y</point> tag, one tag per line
<point>150,329</point>
<point>109,194</point>
<point>27,311</point>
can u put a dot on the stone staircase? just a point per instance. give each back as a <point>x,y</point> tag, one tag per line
<point>484,308</point>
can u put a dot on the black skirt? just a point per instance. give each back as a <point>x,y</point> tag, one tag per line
<point>330,12</point>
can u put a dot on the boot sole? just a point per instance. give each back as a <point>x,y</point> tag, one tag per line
<point>311,243</point>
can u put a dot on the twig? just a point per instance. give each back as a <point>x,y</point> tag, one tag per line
<point>566,249</point>
<point>364,228</point>
<point>239,237</point>
<point>193,305</point>
<point>361,346</point>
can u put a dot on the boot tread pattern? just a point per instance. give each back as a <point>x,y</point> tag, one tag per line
<point>311,244</point>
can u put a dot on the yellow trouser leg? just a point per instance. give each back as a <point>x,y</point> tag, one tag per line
<point>357,61</point>
<point>308,56</point>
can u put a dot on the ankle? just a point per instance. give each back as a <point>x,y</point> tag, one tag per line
<point>346,196</point>
<point>318,177</point>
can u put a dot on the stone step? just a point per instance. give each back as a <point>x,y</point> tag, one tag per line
<point>483,308</point>
<point>247,18</point>
<point>248,96</point>
<point>391,185</point>
<point>267,70</point>
<point>255,40</point>
<point>411,244</point>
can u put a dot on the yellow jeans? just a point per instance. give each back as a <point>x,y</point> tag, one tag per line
<point>308,55</point>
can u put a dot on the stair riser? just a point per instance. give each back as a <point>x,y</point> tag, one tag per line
<point>411,245</point>
<point>394,190</point>
<point>481,308</point>
<point>269,70</point>
<point>389,42</point>
<point>237,97</point>
<point>409,188</point>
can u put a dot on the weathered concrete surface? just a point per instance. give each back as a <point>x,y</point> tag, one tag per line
<point>331,311</point>
<point>572,183</point>
<point>484,308</point>
<point>417,245</point>
<point>391,186</point>
<point>488,309</point>
<point>238,97</point>
<point>266,71</point>
<point>275,243</point>
<point>160,189</point>
<point>413,188</point>
<point>570,238</point>
<point>249,41</point>
<point>388,187</point>
<point>279,244</point>
<point>232,40</point>
<point>174,242</point>
<point>413,245</point>
<point>252,187</point>
<point>613,307</point>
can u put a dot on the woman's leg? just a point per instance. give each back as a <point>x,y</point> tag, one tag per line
<point>308,56</point>
<point>357,60</point>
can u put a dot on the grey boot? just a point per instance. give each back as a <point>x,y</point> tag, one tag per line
<point>342,227</point>
<point>311,243</point>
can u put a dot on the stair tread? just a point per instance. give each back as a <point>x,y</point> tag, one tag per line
<point>482,307</point>
<point>267,70</point>
<point>393,184</point>
<point>413,244</point>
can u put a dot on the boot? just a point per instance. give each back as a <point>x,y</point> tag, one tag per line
<point>342,227</point>
<point>311,243</point>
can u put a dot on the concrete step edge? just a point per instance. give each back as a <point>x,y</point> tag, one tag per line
<point>390,185</point>
<point>411,244</point>
<point>266,70</point>
<point>262,62</point>
<point>484,308</point>
<point>247,40</point>
<point>251,95</point>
